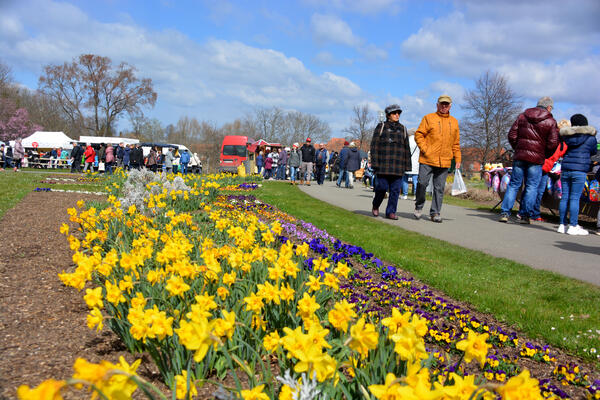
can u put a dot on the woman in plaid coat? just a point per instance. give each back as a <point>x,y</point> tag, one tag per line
<point>390,158</point>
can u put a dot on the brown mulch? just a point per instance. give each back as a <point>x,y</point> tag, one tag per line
<point>43,323</point>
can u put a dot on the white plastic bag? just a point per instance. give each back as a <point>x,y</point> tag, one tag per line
<point>458,187</point>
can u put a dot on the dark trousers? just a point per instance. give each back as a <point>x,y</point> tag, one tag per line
<point>320,173</point>
<point>76,166</point>
<point>387,183</point>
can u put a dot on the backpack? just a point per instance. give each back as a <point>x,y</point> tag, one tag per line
<point>557,189</point>
<point>504,182</point>
<point>496,182</point>
<point>594,190</point>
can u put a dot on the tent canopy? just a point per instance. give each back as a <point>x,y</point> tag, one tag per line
<point>48,140</point>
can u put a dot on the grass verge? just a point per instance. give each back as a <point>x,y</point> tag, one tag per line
<point>16,185</point>
<point>560,311</point>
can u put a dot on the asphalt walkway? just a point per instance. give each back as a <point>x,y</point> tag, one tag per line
<point>537,245</point>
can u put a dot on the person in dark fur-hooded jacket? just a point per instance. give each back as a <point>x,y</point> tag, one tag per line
<point>581,146</point>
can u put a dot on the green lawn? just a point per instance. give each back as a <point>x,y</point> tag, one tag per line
<point>15,185</point>
<point>559,310</point>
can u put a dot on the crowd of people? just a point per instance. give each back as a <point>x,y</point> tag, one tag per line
<point>104,158</point>
<point>424,156</point>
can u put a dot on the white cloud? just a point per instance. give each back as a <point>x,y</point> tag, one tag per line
<point>549,48</point>
<point>215,80</point>
<point>328,59</point>
<point>367,7</point>
<point>331,29</point>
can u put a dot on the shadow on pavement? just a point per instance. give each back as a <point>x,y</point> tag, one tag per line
<point>580,248</point>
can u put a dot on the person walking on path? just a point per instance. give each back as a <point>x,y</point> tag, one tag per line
<point>307,152</point>
<point>18,154</point>
<point>353,163</point>
<point>534,137</point>
<point>260,161</point>
<point>342,163</point>
<point>414,161</point>
<point>438,138</point>
<point>169,160</point>
<point>390,159</point>
<point>281,164</point>
<point>127,156</point>
<point>268,164</point>
<point>90,157</point>
<point>321,163</point>
<point>152,161</point>
<point>76,154</point>
<point>109,155</point>
<point>184,160</point>
<point>294,162</point>
<point>581,145</point>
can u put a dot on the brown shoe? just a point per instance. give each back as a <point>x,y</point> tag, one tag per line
<point>375,212</point>
<point>391,216</point>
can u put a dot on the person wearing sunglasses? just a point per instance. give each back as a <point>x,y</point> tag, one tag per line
<point>390,159</point>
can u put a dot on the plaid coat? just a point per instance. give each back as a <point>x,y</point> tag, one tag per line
<point>390,149</point>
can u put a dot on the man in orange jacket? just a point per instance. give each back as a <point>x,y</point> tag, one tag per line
<point>438,138</point>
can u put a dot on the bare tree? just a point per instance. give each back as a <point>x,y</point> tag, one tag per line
<point>269,122</point>
<point>94,94</point>
<point>362,125</point>
<point>299,126</point>
<point>491,108</point>
<point>147,129</point>
<point>186,131</point>
<point>211,138</point>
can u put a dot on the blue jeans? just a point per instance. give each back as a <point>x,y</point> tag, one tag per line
<point>293,173</point>
<point>343,173</point>
<point>531,174</point>
<point>385,183</point>
<point>572,186</point>
<point>405,183</point>
<point>184,168</point>
<point>535,213</point>
<point>281,172</point>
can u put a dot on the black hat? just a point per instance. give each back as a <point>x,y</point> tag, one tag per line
<point>392,108</point>
<point>579,120</point>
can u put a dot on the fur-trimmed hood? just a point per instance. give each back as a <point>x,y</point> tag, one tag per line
<point>574,130</point>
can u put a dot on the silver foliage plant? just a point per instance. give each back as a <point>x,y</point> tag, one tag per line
<point>307,390</point>
<point>135,190</point>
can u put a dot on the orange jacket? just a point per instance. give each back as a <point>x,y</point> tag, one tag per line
<point>438,138</point>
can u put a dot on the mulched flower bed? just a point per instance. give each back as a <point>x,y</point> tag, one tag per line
<point>43,322</point>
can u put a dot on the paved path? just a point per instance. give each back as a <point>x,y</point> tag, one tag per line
<point>537,245</point>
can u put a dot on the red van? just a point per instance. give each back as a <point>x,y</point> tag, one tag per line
<point>234,151</point>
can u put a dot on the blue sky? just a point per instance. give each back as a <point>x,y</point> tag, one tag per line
<point>218,60</point>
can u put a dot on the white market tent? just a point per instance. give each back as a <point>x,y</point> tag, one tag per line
<point>47,140</point>
<point>106,139</point>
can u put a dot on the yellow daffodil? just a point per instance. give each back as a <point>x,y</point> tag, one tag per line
<point>475,347</point>
<point>364,337</point>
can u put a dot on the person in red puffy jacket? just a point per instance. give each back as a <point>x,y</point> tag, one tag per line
<point>534,137</point>
<point>90,155</point>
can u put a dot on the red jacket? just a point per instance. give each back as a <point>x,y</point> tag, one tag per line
<point>89,154</point>
<point>534,135</point>
<point>549,163</point>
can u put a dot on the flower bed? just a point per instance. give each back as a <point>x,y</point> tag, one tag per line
<point>212,286</point>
